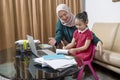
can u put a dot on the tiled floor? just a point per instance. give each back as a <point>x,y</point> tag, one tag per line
<point>103,74</point>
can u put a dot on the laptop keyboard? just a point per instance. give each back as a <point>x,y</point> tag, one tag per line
<point>44,52</point>
<point>48,51</point>
<point>41,53</point>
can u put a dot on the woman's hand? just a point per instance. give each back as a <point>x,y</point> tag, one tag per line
<point>99,47</point>
<point>52,41</point>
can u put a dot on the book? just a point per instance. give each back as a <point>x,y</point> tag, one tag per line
<point>53,56</point>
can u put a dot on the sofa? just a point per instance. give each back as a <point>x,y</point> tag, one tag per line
<point>109,33</point>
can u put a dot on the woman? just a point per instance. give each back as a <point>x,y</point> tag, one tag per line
<point>66,27</point>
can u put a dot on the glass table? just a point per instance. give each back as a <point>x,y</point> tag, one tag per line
<point>7,60</point>
<point>17,65</point>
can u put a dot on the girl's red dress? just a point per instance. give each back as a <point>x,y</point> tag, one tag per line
<point>80,38</point>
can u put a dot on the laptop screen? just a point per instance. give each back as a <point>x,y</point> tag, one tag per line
<point>32,45</point>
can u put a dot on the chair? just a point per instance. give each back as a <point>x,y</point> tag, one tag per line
<point>88,62</point>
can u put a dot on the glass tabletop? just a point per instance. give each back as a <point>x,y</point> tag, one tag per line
<point>18,65</point>
<point>7,59</point>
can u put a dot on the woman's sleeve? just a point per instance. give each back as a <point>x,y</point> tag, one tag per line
<point>95,39</point>
<point>59,32</point>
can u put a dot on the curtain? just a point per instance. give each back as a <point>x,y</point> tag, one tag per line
<point>21,17</point>
<point>34,17</point>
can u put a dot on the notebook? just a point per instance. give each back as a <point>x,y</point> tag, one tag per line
<point>38,53</point>
<point>54,56</point>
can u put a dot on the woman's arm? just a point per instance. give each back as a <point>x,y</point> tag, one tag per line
<point>95,39</point>
<point>58,36</point>
<point>98,43</point>
<point>59,32</point>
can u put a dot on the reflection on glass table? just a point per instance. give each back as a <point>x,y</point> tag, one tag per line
<point>7,60</point>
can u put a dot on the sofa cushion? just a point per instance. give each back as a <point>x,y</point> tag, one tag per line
<point>106,32</point>
<point>116,45</point>
<point>108,57</point>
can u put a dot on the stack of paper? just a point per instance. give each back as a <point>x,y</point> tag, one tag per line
<point>22,41</point>
<point>60,63</point>
<point>44,46</point>
<point>56,63</point>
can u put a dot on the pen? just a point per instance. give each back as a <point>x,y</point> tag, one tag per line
<point>62,43</point>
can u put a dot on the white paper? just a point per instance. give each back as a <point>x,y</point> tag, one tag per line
<point>61,51</point>
<point>40,61</point>
<point>22,41</point>
<point>60,63</point>
<point>45,46</point>
<point>56,63</point>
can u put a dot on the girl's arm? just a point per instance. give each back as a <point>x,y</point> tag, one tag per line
<point>82,48</point>
<point>70,45</point>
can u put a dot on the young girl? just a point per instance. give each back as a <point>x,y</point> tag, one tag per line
<point>81,45</point>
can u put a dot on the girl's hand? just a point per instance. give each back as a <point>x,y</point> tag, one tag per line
<point>72,51</point>
<point>64,47</point>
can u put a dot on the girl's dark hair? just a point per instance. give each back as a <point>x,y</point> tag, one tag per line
<point>83,16</point>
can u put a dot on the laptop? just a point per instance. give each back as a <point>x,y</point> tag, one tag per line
<point>37,53</point>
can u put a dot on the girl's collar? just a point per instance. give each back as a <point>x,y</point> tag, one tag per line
<point>83,30</point>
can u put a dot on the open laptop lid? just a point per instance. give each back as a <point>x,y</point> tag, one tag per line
<point>32,45</point>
